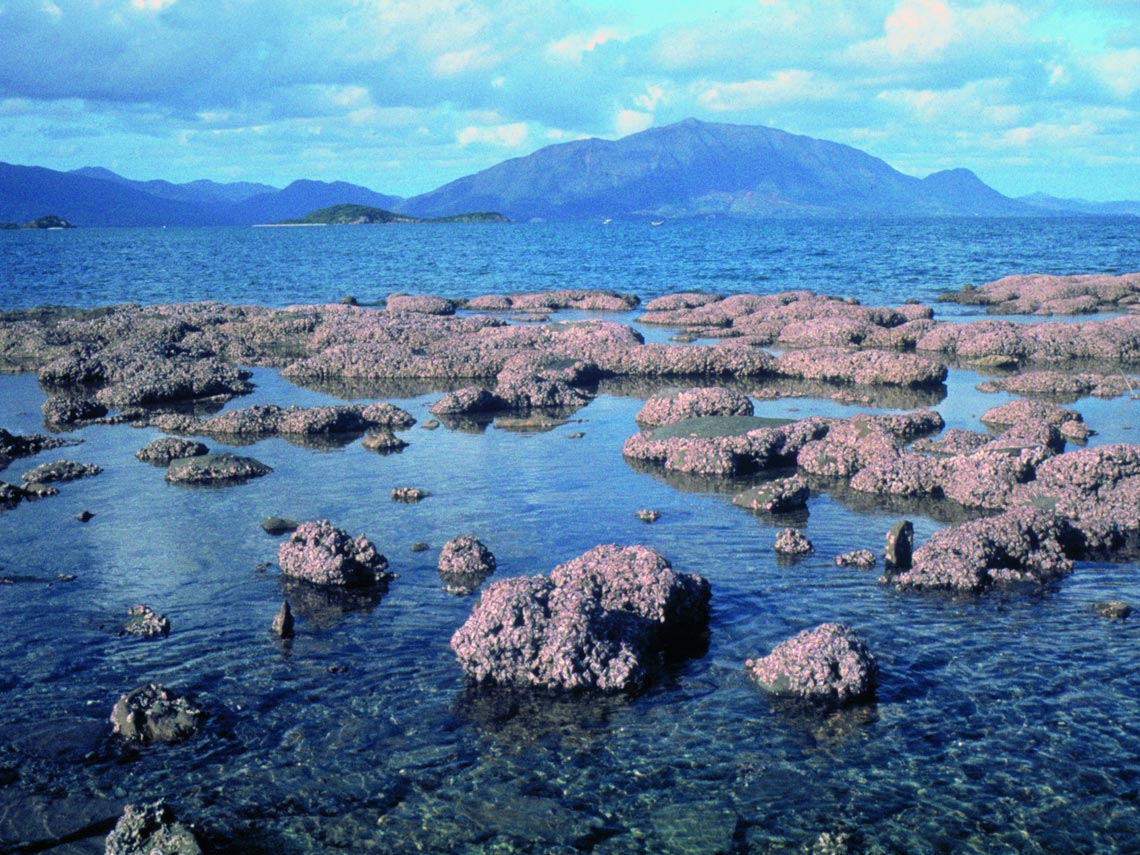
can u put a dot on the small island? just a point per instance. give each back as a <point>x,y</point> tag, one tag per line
<point>49,221</point>
<point>358,215</point>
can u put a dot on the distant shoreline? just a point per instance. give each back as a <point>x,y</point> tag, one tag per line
<point>286,225</point>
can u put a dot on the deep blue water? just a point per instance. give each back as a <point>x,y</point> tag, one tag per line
<point>1008,723</point>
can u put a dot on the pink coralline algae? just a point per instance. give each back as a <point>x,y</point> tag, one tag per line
<point>465,563</point>
<point>62,410</point>
<point>60,471</point>
<point>322,554</point>
<point>791,542</point>
<point>1068,422</point>
<point>826,667</point>
<point>1064,386</point>
<point>1021,545</point>
<point>581,299</point>
<point>598,622</point>
<point>1041,294</point>
<point>420,304</point>
<point>862,367</point>
<point>691,403</point>
<point>864,559</point>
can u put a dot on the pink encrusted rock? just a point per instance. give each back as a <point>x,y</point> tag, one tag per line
<point>322,554</point>
<point>692,403</point>
<point>420,304</point>
<point>1021,545</point>
<point>1068,386</point>
<point>783,494</point>
<point>826,667</point>
<point>598,622</point>
<point>1043,294</point>
<point>163,450</point>
<point>863,367</point>
<point>469,399</point>
<point>792,543</point>
<point>1024,410</point>
<point>465,563</point>
<point>864,559</point>
<point>60,410</point>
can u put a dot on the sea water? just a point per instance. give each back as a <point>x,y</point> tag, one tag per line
<point>1008,722</point>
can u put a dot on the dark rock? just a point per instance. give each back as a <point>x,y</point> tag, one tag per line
<point>283,622</point>
<point>85,516</point>
<point>279,525</point>
<point>59,471</point>
<point>899,549</point>
<point>146,622</point>
<point>153,713</point>
<point>409,495</point>
<point>215,469</point>
<point>383,441</point>
<point>151,829</point>
<point>647,515</point>
<point>1113,610</point>
<point>826,667</point>
<point>62,410</point>
<point>419,546</point>
<point>163,450</point>
<point>322,554</point>
<point>774,497</point>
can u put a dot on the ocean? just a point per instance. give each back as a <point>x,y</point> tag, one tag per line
<point>1007,722</point>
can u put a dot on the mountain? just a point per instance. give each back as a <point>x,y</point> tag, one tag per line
<point>93,196</point>
<point>698,168</point>
<point>1081,206</point>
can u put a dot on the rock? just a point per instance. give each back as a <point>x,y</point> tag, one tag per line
<point>792,543</point>
<point>61,410</point>
<point>826,667</point>
<point>322,554</point>
<point>419,546</point>
<point>146,622</point>
<point>383,441</point>
<point>864,559</point>
<point>693,403</point>
<point>466,401</point>
<point>283,621</point>
<point>647,515</point>
<point>215,469</point>
<point>85,516</point>
<point>279,525</point>
<point>409,495</point>
<point>420,304</point>
<point>899,549</point>
<point>465,563</point>
<point>1113,610</point>
<point>59,471</point>
<point>153,713</point>
<point>150,829</point>
<point>775,497</point>
<point>163,450</point>
<point>600,621</point>
<point>430,424</point>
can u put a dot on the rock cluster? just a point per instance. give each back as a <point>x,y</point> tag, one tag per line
<point>792,543</point>
<point>826,667</point>
<point>1041,294</point>
<point>150,829</point>
<point>60,471</point>
<point>322,554</point>
<point>153,713</point>
<point>163,450</point>
<point>263,420</point>
<point>692,403</point>
<point>600,621</point>
<point>144,621</point>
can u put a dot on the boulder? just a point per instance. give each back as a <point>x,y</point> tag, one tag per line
<point>465,563</point>
<point>409,495</point>
<point>600,621</point>
<point>61,410</point>
<point>383,441</point>
<point>150,829</point>
<point>283,621</point>
<point>278,525</point>
<point>693,403</point>
<point>224,468</point>
<point>153,713</point>
<point>791,542</point>
<point>784,494</point>
<point>59,471</point>
<point>826,667</point>
<point>899,548</point>
<point>163,450</point>
<point>322,554</point>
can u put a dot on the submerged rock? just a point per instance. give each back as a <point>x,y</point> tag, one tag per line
<point>146,622</point>
<point>215,469</point>
<point>899,550</point>
<point>151,829</point>
<point>153,713</point>
<point>322,554</point>
<point>599,621</point>
<point>828,667</point>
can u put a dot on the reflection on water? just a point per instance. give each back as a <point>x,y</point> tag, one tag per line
<point>1005,723</point>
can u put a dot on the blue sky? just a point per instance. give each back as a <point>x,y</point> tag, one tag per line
<point>1033,95</point>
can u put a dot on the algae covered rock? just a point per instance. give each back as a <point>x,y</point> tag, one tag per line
<point>150,829</point>
<point>792,543</point>
<point>154,713</point>
<point>465,563</point>
<point>320,553</point>
<point>783,494</point>
<point>163,450</point>
<point>224,468</point>
<point>827,667</point>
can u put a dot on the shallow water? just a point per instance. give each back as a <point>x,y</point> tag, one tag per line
<point>1003,723</point>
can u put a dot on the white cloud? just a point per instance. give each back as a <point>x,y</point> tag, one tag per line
<point>569,49</point>
<point>632,122</point>
<point>1120,71</point>
<point>505,136</point>
<point>784,87</point>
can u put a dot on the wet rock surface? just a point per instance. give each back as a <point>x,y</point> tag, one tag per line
<point>600,621</point>
<point>145,622</point>
<point>223,468</point>
<point>154,713</point>
<point>465,563</point>
<point>165,449</point>
<point>1042,294</point>
<point>151,829</point>
<point>792,543</point>
<point>828,667</point>
<point>60,471</point>
<point>693,403</point>
<point>320,553</point>
<point>774,497</point>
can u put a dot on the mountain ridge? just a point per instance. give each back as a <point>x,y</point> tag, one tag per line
<point>688,169</point>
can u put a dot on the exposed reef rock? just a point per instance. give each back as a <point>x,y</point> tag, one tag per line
<point>692,403</point>
<point>60,471</point>
<point>784,494</point>
<point>165,449</point>
<point>151,829</point>
<point>1041,294</point>
<point>263,420</point>
<point>600,622</point>
<point>153,713</point>
<point>68,410</point>
<point>464,564</point>
<point>145,622</point>
<point>224,468</point>
<point>792,543</point>
<point>322,554</point>
<point>826,667</point>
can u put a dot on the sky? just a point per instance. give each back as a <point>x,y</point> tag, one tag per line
<point>402,97</point>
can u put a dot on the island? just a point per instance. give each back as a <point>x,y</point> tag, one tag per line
<point>49,221</point>
<point>357,215</point>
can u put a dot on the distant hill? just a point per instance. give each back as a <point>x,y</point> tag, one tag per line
<point>48,221</point>
<point>1081,206</point>
<point>98,197</point>
<point>357,215</point>
<point>698,168</point>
